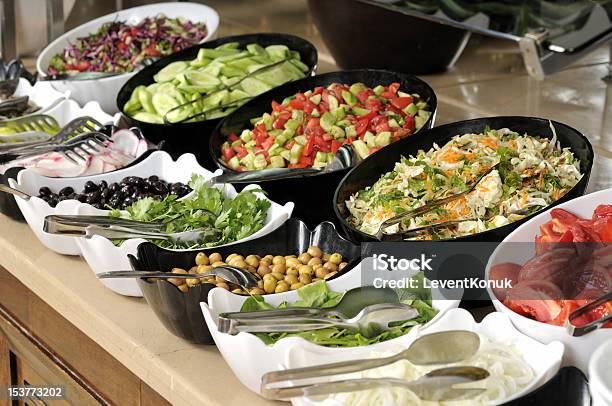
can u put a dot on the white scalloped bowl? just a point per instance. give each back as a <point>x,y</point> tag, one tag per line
<point>544,359</point>
<point>41,93</point>
<point>578,349</point>
<point>248,356</point>
<point>35,210</point>
<point>103,256</point>
<point>105,90</point>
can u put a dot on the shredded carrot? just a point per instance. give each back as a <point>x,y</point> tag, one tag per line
<point>489,143</point>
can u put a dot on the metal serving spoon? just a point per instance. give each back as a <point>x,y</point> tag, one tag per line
<point>234,275</point>
<point>352,302</point>
<point>437,385</point>
<point>7,189</point>
<point>445,347</point>
<point>370,322</point>
<point>345,157</point>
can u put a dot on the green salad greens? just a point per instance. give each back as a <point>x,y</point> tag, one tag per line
<point>318,295</point>
<point>228,219</point>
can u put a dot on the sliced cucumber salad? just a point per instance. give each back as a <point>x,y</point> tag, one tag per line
<point>226,73</point>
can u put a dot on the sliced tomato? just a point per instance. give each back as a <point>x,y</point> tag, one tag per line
<point>388,94</point>
<point>603,227</point>
<point>306,161</point>
<point>279,123</point>
<point>152,52</point>
<point>276,106</point>
<point>297,104</point>
<point>322,144</point>
<point>394,87</point>
<point>268,143</point>
<point>289,144</point>
<point>121,46</point>
<point>309,147</point>
<point>361,126</point>
<point>602,211</point>
<point>233,137</point>
<point>401,102</point>
<point>319,90</point>
<point>228,153</point>
<point>241,152</point>
<point>373,104</point>
<point>506,271</point>
<point>409,123</point>
<point>363,95</point>
<point>82,66</point>
<point>300,97</point>
<point>335,145</point>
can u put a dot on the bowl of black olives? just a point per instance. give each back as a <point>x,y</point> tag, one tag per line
<point>155,177</point>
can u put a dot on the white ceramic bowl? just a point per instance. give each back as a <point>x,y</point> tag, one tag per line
<point>545,360</point>
<point>35,210</point>
<point>249,358</point>
<point>103,256</point>
<point>578,349</point>
<point>42,93</point>
<point>600,375</point>
<point>105,90</point>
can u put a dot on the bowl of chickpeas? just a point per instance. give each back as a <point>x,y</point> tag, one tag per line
<point>283,261</point>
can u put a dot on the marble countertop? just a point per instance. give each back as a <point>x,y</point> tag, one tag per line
<point>489,79</point>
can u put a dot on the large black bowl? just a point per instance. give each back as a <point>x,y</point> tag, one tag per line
<point>193,137</point>
<point>180,312</point>
<point>370,170</point>
<point>363,34</point>
<point>313,194</point>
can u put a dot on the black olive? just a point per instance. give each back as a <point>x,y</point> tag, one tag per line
<point>81,198</point>
<point>67,191</point>
<point>93,197</point>
<point>98,205</point>
<point>89,187</point>
<point>53,202</point>
<point>44,191</point>
<point>160,188</point>
<point>128,201</point>
<point>132,180</point>
<point>105,193</point>
<point>103,185</point>
<point>114,202</point>
<point>113,187</point>
<point>126,190</point>
<point>153,178</point>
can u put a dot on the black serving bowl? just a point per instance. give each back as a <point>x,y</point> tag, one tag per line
<point>364,34</point>
<point>9,207</point>
<point>193,137</point>
<point>181,313</point>
<point>317,190</point>
<point>371,169</point>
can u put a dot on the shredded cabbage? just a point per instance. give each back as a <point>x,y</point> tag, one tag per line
<point>509,374</point>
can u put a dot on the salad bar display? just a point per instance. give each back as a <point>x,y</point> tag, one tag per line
<point>269,256</point>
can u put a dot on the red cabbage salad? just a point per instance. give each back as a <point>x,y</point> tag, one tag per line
<point>120,47</point>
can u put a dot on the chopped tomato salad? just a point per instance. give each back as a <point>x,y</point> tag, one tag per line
<point>307,129</point>
<point>571,268</point>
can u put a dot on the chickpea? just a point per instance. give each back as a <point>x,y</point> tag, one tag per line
<point>183,288</point>
<point>203,268</point>
<point>269,257</point>
<point>215,257</point>
<point>306,270</point>
<point>342,265</point>
<point>257,291</point>
<point>238,263</point>
<point>176,281</point>
<point>278,276</point>
<point>219,279</point>
<point>223,285</point>
<point>193,269</point>
<point>296,286</point>
<point>304,257</point>
<point>282,286</point>
<point>326,257</point>
<point>314,261</point>
<point>230,257</point>
<point>260,284</point>
<point>293,263</point>
<point>251,269</point>
<point>238,291</point>
<point>278,260</point>
<point>292,271</point>
<point>335,258</point>
<point>202,259</point>
<point>291,279</point>
<point>263,271</point>
<point>218,263</point>
<point>192,282</point>
<point>314,251</point>
<point>209,279</point>
<point>321,272</point>
<point>179,270</point>
<point>280,268</point>
<point>269,285</point>
<point>316,280</point>
<point>252,260</point>
<point>330,266</point>
<point>329,275</point>
<point>265,262</point>
<point>317,266</point>
<point>305,279</point>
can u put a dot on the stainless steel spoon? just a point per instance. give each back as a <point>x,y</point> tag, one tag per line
<point>445,347</point>
<point>234,275</point>
<point>437,385</point>
<point>7,189</point>
<point>370,322</point>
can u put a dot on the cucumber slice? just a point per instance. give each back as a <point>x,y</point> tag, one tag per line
<point>254,87</point>
<point>148,117</point>
<point>237,95</point>
<point>278,51</point>
<point>231,71</point>
<point>255,49</point>
<point>145,100</point>
<point>163,103</point>
<point>201,78</point>
<point>229,45</point>
<point>215,99</point>
<point>170,71</point>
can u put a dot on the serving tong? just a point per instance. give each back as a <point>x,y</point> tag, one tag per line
<point>76,140</point>
<point>577,331</point>
<point>227,87</point>
<point>382,236</point>
<point>345,158</point>
<point>439,348</point>
<point>121,229</point>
